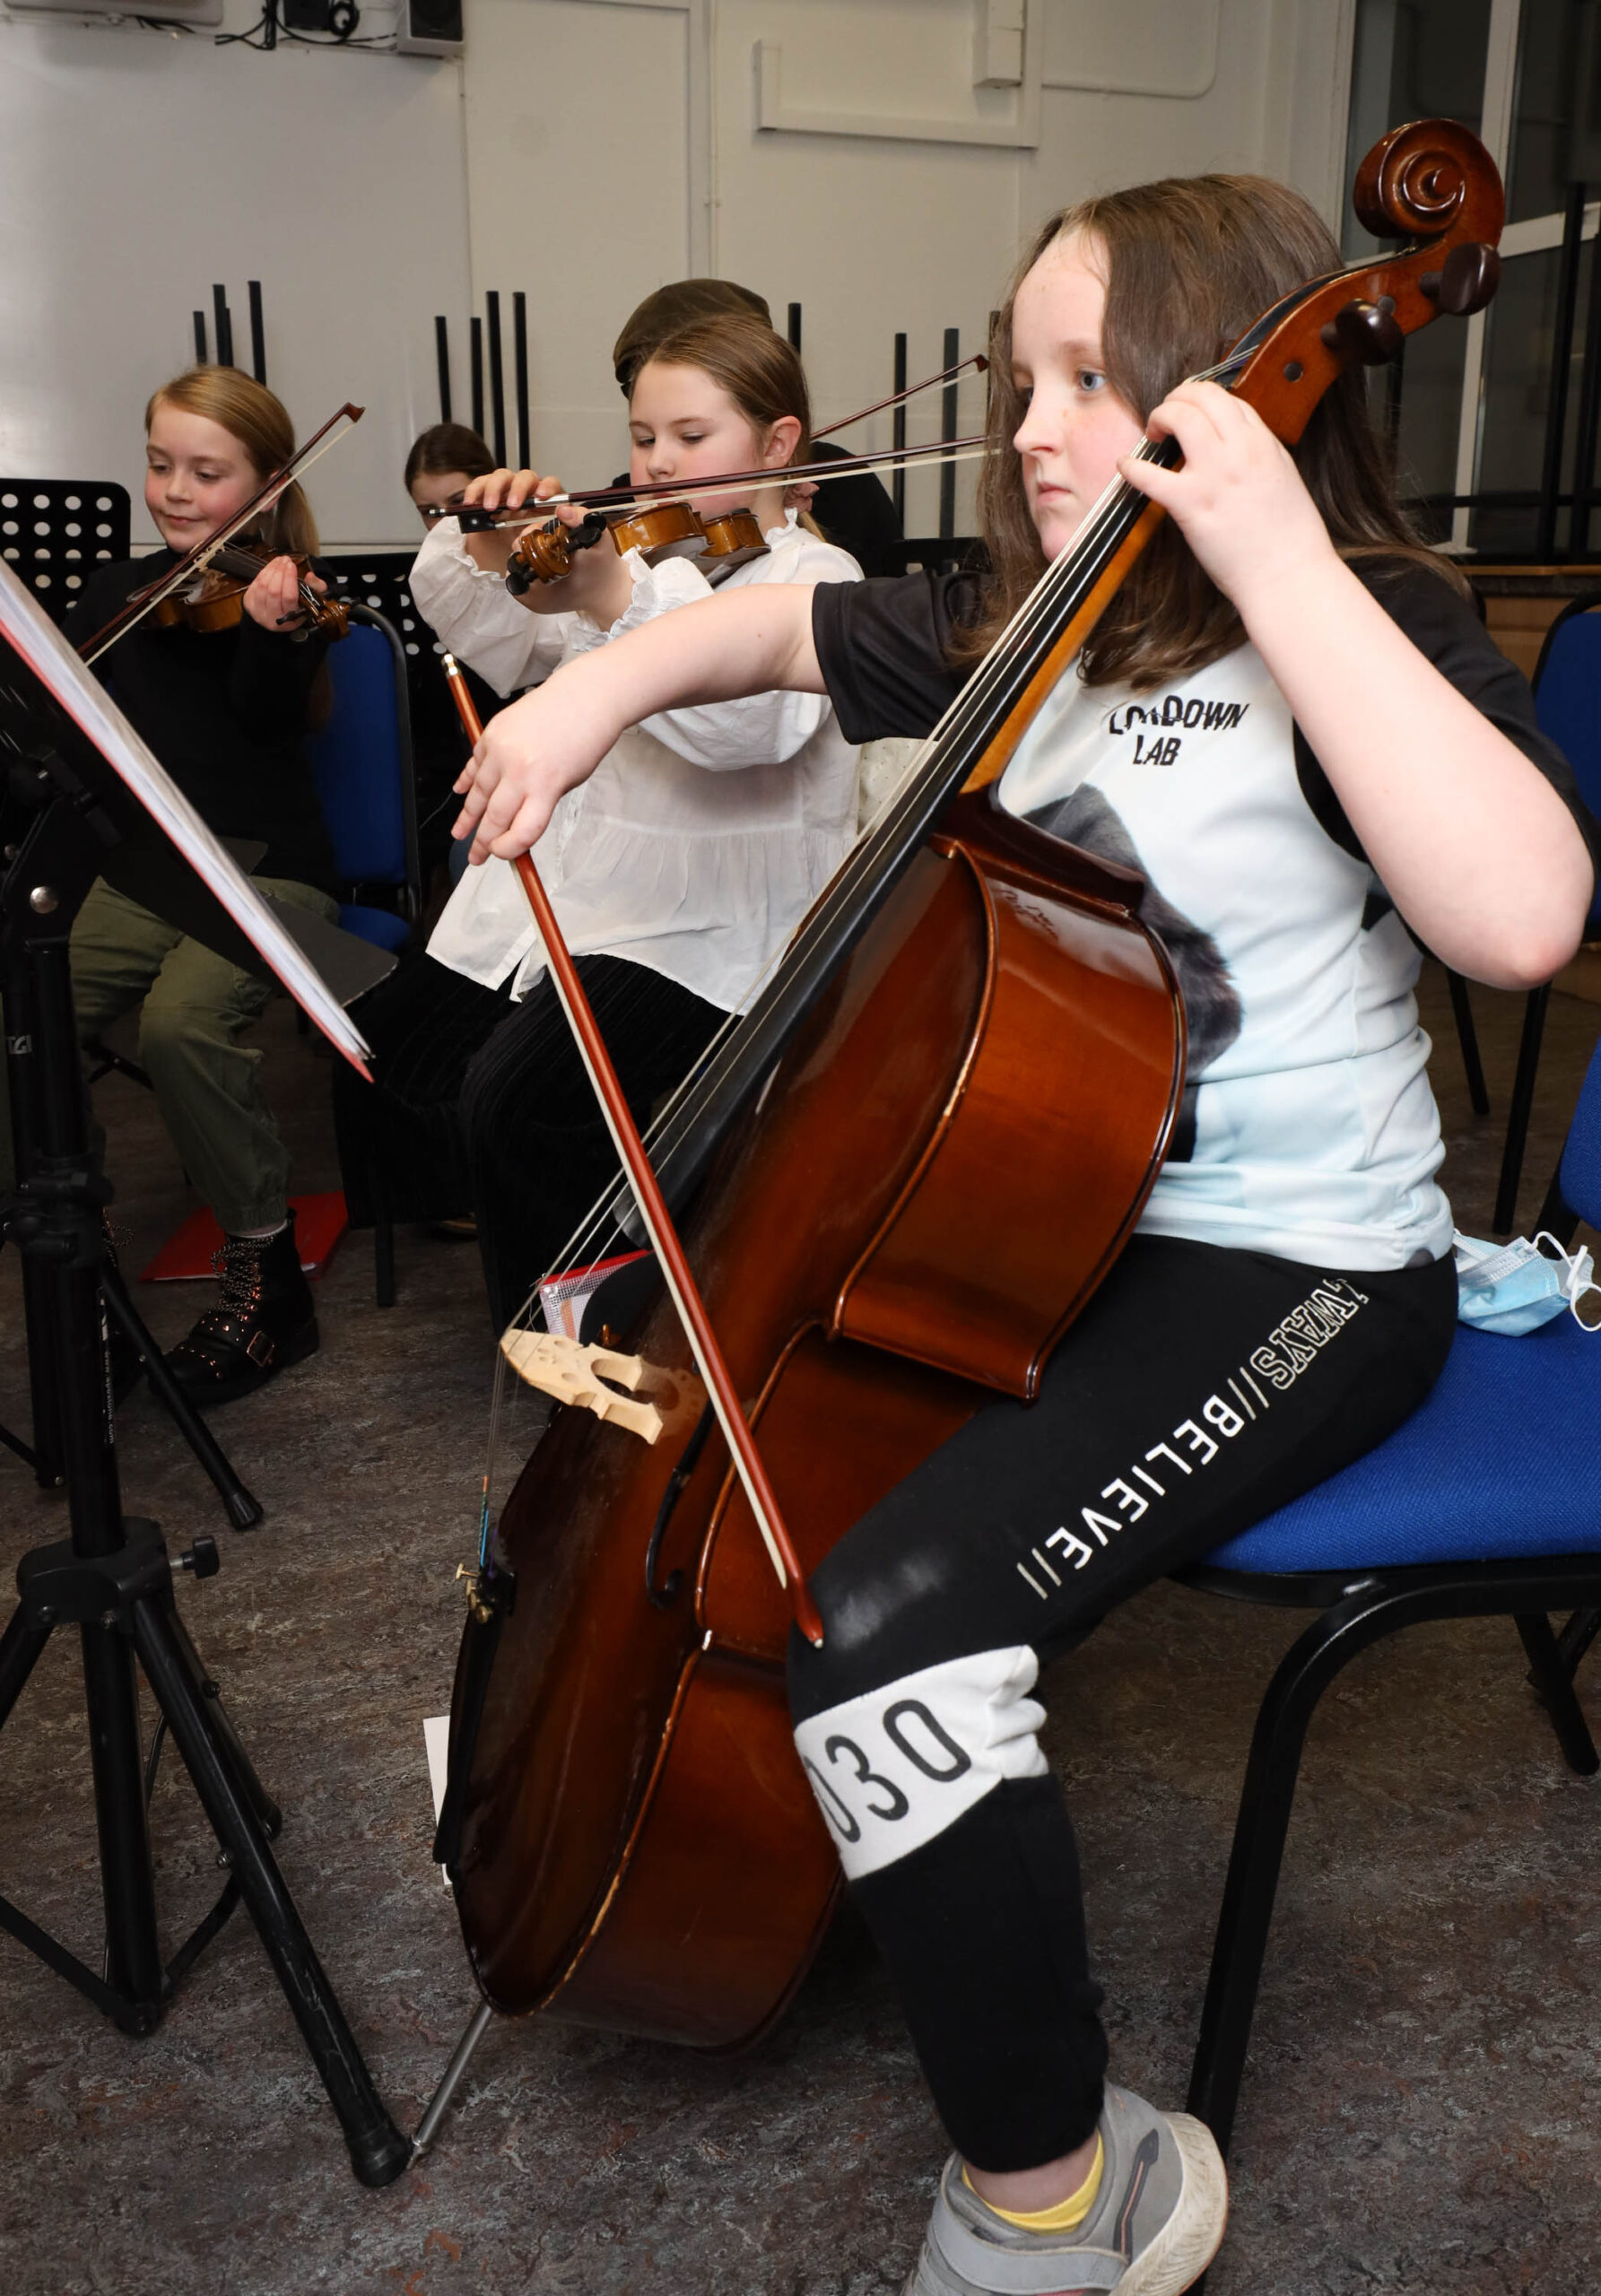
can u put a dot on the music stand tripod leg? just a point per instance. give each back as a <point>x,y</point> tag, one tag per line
<point>241,1508</point>
<point>118,1590</point>
<point>268,1816</point>
<point>44,1454</point>
<point>377,2150</point>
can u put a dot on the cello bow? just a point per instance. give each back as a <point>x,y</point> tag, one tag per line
<point>656,1219</point>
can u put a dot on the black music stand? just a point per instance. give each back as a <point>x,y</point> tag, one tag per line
<point>86,817</point>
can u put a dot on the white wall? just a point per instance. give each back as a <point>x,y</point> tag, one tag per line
<point>136,168</point>
<point>585,151</point>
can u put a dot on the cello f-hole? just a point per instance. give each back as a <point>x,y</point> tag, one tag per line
<point>667,1593</point>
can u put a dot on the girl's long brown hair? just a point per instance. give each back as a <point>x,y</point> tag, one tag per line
<point>1190,263</point>
<point>250,412</point>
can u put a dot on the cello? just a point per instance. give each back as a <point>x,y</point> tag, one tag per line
<point>631,1840</point>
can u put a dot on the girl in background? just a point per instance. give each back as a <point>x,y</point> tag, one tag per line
<point>443,463</point>
<point>226,713</point>
<point>677,872</point>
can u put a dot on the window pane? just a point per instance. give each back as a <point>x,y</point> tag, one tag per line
<point>1413,59</point>
<point>1431,405</point>
<point>1520,331</point>
<point>1555,121</point>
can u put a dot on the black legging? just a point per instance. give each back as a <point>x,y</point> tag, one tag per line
<point>1200,1390</point>
<point>483,1106</point>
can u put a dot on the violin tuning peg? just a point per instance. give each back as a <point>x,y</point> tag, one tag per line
<point>1366,333</point>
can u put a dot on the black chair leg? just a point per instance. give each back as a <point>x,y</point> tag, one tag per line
<point>1247,1911</point>
<point>1523,1101</point>
<point>1556,1216</point>
<point>1576,1638</point>
<point>1554,1682</point>
<point>383,1237</point>
<point>1468,1038</point>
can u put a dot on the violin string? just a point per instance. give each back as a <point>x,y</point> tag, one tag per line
<point>972,703</point>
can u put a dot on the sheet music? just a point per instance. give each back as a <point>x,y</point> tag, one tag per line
<point>28,629</point>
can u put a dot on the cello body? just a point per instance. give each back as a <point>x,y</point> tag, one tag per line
<point>935,1178</point>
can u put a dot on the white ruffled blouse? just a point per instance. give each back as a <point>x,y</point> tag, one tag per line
<point>702,839</point>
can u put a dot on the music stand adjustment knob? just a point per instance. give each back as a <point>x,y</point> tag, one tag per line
<point>202,1558</point>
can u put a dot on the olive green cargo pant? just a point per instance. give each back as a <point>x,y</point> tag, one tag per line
<point>196,1009</point>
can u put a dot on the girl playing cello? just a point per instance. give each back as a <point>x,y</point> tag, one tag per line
<point>1291,723</point>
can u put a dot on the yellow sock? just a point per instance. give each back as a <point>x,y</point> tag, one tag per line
<point>1066,2213</point>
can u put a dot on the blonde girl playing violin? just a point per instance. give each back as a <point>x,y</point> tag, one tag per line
<point>677,871</point>
<point>226,713</point>
<point>1291,723</point>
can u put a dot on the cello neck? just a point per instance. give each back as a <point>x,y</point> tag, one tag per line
<point>970,747</point>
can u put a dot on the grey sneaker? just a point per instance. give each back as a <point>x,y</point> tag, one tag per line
<point>1157,2222</point>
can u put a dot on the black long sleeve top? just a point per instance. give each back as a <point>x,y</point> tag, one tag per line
<point>226,713</point>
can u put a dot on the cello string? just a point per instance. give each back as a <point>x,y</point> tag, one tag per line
<point>975,695</point>
<point>972,701</point>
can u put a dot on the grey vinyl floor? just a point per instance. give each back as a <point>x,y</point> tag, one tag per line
<point>1422,2107</point>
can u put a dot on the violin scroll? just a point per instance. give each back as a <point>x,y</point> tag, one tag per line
<point>545,553</point>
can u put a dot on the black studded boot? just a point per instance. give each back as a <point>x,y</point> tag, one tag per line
<point>262,1322</point>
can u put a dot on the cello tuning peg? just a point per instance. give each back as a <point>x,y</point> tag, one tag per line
<point>1366,333</point>
<point>1467,281</point>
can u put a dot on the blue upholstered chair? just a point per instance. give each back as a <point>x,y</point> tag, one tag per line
<point>1486,1503</point>
<point>1567,684</point>
<point>362,761</point>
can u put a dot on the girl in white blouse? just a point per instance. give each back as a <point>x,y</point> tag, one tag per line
<point>677,871</point>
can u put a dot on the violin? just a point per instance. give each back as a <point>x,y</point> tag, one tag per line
<point>216,600</point>
<point>199,555</point>
<point>671,528</point>
<point>630,1836</point>
<point>659,530</point>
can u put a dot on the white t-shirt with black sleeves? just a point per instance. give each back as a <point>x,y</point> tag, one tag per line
<point>1309,1129</point>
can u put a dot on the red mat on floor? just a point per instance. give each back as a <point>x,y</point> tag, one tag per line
<point>320,1222</point>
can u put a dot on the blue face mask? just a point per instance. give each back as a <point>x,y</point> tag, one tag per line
<point>1515,1288</point>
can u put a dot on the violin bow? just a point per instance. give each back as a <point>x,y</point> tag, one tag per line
<point>657,1220</point>
<point>980,361</point>
<point>619,498</point>
<point>199,555</point>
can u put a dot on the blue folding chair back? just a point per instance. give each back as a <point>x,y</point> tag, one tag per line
<point>362,761</point>
<point>1568,693</point>
<point>1568,704</point>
